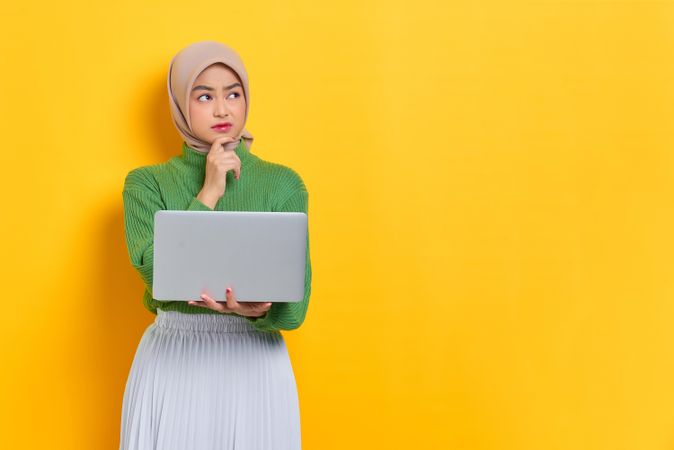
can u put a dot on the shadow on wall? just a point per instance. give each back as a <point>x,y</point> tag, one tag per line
<point>121,318</point>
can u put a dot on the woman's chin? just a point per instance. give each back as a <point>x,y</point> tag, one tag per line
<point>213,135</point>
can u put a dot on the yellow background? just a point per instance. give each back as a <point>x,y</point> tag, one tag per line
<point>490,211</point>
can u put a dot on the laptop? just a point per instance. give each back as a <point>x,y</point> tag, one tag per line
<point>261,255</point>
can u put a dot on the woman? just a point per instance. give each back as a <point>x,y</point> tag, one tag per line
<point>207,374</point>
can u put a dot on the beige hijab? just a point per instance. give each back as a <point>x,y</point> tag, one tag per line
<point>184,68</point>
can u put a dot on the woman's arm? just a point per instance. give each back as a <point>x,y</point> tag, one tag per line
<point>142,199</point>
<point>281,315</point>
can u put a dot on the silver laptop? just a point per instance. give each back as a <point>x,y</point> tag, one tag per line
<point>261,255</point>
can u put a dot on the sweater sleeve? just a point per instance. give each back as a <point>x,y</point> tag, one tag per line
<point>290,315</point>
<point>142,199</point>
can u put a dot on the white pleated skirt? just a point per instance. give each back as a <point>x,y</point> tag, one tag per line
<point>207,382</point>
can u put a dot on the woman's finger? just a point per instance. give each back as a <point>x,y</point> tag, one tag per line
<point>256,305</point>
<point>210,303</point>
<point>231,301</point>
<point>218,145</point>
<point>262,308</point>
<point>255,309</point>
<point>197,303</point>
<point>237,169</point>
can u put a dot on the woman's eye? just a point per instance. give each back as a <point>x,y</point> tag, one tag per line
<point>206,95</point>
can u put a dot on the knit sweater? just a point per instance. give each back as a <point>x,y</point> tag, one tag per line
<point>174,185</point>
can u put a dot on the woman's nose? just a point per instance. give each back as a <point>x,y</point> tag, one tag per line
<point>220,108</point>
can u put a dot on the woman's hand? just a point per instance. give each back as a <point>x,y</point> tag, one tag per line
<point>218,162</point>
<point>250,309</point>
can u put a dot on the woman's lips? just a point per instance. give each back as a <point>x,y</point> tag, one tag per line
<point>222,127</point>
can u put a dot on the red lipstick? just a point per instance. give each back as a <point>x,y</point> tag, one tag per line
<point>224,126</point>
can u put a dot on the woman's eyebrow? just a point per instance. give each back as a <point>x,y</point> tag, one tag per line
<point>208,88</point>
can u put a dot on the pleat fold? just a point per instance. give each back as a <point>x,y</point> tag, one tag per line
<point>206,381</point>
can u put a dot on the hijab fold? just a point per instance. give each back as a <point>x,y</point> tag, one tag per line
<point>184,68</point>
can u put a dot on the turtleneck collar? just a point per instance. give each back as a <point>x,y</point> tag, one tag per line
<point>197,158</point>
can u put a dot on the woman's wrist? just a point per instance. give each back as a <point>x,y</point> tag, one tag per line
<point>207,198</point>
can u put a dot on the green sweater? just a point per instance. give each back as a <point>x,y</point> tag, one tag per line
<point>174,185</point>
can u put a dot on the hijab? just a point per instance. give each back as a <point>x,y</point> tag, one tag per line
<point>184,68</point>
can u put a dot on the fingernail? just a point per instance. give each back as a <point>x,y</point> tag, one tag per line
<point>229,290</point>
<point>202,296</point>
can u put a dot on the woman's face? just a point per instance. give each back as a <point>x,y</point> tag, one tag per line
<point>217,97</point>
